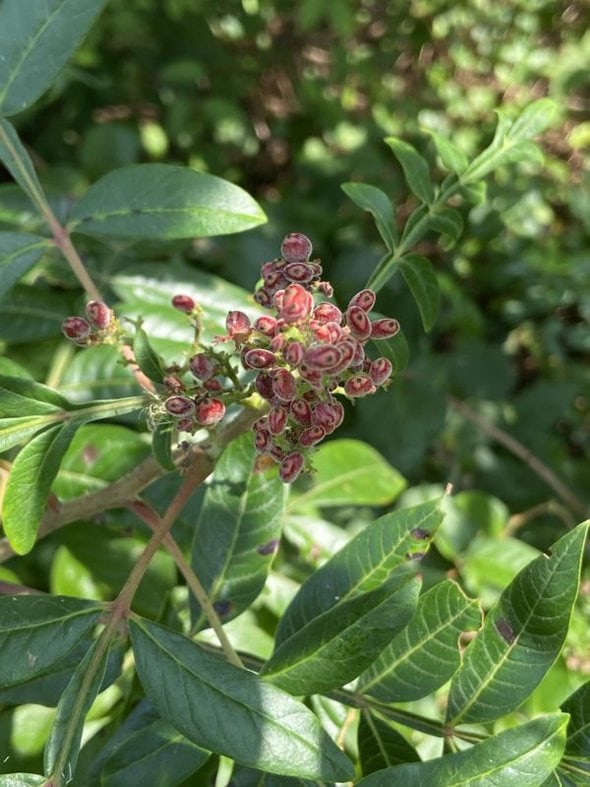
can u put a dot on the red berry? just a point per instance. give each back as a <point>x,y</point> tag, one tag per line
<point>299,272</point>
<point>76,328</point>
<point>327,415</point>
<point>209,411</point>
<point>99,314</point>
<point>267,325</point>
<point>184,303</point>
<point>179,406</point>
<point>327,312</point>
<point>238,326</point>
<point>380,370</point>
<point>365,299</point>
<point>358,322</point>
<point>301,412</point>
<point>263,441</point>
<point>185,425</point>
<point>296,304</point>
<point>258,359</point>
<point>202,367</point>
<point>263,297</point>
<point>291,466</point>
<point>284,385</point>
<point>359,385</point>
<point>296,247</point>
<point>311,436</point>
<point>322,357</point>
<point>384,328</point>
<point>277,420</point>
<point>263,385</point>
<point>293,353</point>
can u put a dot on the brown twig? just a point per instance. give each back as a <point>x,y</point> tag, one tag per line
<point>523,453</point>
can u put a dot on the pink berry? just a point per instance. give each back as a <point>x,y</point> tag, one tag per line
<point>301,412</point>
<point>291,466</point>
<point>258,359</point>
<point>202,367</point>
<point>296,247</point>
<point>238,326</point>
<point>284,385</point>
<point>209,411</point>
<point>380,370</point>
<point>365,299</point>
<point>328,332</point>
<point>358,322</point>
<point>179,406</point>
<point>384,328</point>
<point>327,312</point>
<point>266,324</point>
<point>76,328</point>
<point>184,303</point>
<point>359,385</point>
<point>322,357</point>
<point>296,304</point>
<point>311,436</point>
<point>99,314</point>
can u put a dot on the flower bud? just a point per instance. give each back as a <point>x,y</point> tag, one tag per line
<point>212,385</point>
<point>263,298</point>
<point>202,367</point>
<point>311,376</point>
<point>184,303</point>
<point>380,370</point>
<point>296,247</point>
<point>179,406</point>
<point>291,466</point>
<point>358,322</point>
<point>76,328</point>
<point>347,351</point>
<point>209,411</point>
<point>328,415</point>
<point>311,436</point>
<point>296,304</point>
<point>325,288</point>
<point>262,441</point>
<point>277,343</point>
<point>359,385</point>
<point>384,328</point>
<point>258,359</point>
<point>328,332</point>
<point>365,299</point>
<point>238,326</point>
<point>185,425</point>
<point>263,385</point>
<point>99,314</point>
<point>284,385</point>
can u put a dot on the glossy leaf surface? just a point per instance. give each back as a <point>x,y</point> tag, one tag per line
<point>166,202</point>
<point>335,647</point>
<point>426,653</point>
<point>37,631</point>
<point>230,710</point>
<point>18,254</point>
<point>363,564</point>
<point>36,40</point>
<point>522,636</point>
<point>238,530</point>
<point>381,746</point>
<point>519,757</point>
<point>421,278</point>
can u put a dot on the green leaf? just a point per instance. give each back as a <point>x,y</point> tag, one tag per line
<point>349,472</point>
<point>238,530</point>
<point>63,744</point>
<point>518,757</point>
<point>18,254</point>
<point>534,119</point>
<point>448,222</point>
<point>452,158</point>
<point>36,40</point>
<point>377,203</point>
<point>578,731</point>
<point>163,201</point>
<point>363,564</point>
<point>336,646</point>
<point>246,719</point>
<point>147,359</point>
<point>14,431</point>
<point>98,374</point>
<point>29,484</point>
<point>381,746</point>
<point>37,631</point>
<point>19,395</point>
<point>31,313</point>
<point>146,749</point>
<point>425,654</point>
<point>13,153</point>
<point>421,278</point>
<point>249,777</point>
<point>162,445</point>
<point>415,169</point>
<point>522,636</point>
<point>22,780</point>
<point>396,349</point>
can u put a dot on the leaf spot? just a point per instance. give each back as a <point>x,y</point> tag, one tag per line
<point>505,630</point>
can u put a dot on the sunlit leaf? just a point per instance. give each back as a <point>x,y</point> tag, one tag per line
<point>415,169</point>
<point>377,203</point>
<point>421,278</point>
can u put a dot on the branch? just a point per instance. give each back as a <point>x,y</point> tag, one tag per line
<point>523,453</point>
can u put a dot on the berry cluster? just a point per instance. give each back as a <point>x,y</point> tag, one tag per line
<point>305,353</point>
<point>97,327</point>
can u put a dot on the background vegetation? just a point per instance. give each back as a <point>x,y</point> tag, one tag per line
<point>289,101</point>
